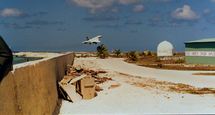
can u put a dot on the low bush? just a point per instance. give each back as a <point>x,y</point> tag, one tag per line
<point>179,61</point>
<point>133,56</point>
<point>147,53</point>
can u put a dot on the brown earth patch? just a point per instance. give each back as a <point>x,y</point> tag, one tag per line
<point>210,74</point>
<point>149,83</point>
<point>175,87</point>
<point>170,64</point>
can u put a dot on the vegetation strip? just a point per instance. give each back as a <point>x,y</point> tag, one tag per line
<point>166,86</point>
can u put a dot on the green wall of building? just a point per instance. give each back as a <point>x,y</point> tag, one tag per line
<point>199,60</point>
<point>200,47</point>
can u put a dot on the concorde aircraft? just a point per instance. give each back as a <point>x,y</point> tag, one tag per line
<point>93,40</point>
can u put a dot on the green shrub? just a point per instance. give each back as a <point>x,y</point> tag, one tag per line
<point>132,56</point>
<point>160,65</point>
<point>147,53</point>
<point>179,61</point>
<point>158,59</point>
<point>141,54</point>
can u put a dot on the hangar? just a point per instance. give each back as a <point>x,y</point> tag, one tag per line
<point>200,51</point>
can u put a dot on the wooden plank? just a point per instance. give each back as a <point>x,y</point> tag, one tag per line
<point>77,78</point>
<point>66,79</point>
<point>71,92</point>
<point>71,79</point>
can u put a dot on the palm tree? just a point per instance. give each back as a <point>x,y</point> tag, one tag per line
<point>117,52</point>
<point>102,51</point>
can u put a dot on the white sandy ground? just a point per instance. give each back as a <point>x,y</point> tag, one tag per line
<point>36,54</point>
<point>44,55</point>
<point>129,99</point>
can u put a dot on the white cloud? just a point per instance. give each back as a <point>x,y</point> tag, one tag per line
<point>212,0</point>
<point>115,10</point>
<point>128,1</point>
<point>94,5</point>
<point>206,11</point>
<point>165,0</point>
<point>97,5</point>
<point>138,8</point>
<point>185,13</point>
<point>162,0</point>
<point>10,12</point>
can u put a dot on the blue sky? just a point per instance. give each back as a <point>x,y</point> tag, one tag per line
<point>61,25</point>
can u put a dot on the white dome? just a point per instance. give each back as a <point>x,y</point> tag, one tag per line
<point>165,48</point>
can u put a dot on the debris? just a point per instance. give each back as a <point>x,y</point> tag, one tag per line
<point>74,88</point>
<point>71,94</point>
<point>81,82</point>
<point>68,89</point>
<point>98,88</point>
<point>100,80</point>
<point>166,96</point>
<point>87,87</point>
<point>93,72</point>
<point>114,86</point>
<point>78,69</point>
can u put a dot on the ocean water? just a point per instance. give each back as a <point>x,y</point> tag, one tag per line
<point>17,60</point>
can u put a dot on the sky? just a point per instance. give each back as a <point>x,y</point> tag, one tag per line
<point>61,25</point>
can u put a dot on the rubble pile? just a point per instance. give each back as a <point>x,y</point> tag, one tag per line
<point>94,73</point>
<point>79,83</point>
<point>100,80</point>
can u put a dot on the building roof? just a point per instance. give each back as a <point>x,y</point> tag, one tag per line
<point>202,40</point>
<point>165,45</point>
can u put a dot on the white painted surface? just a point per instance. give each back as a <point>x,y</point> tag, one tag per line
<point>200,53</point>
<point>165,48</point>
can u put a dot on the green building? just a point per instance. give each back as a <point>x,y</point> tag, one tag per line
<point>200,51</point>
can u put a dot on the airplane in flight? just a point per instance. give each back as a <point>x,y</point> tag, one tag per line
<point>94,40</point>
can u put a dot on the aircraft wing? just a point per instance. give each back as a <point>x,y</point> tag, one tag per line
<point>85,42</point>
<point>95,39</point>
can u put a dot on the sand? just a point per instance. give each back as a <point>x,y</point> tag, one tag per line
<point>138,90</point>
<point>44,55</point>
<point>36,54</point>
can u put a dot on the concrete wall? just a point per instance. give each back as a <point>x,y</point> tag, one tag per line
<point>32,89</point>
